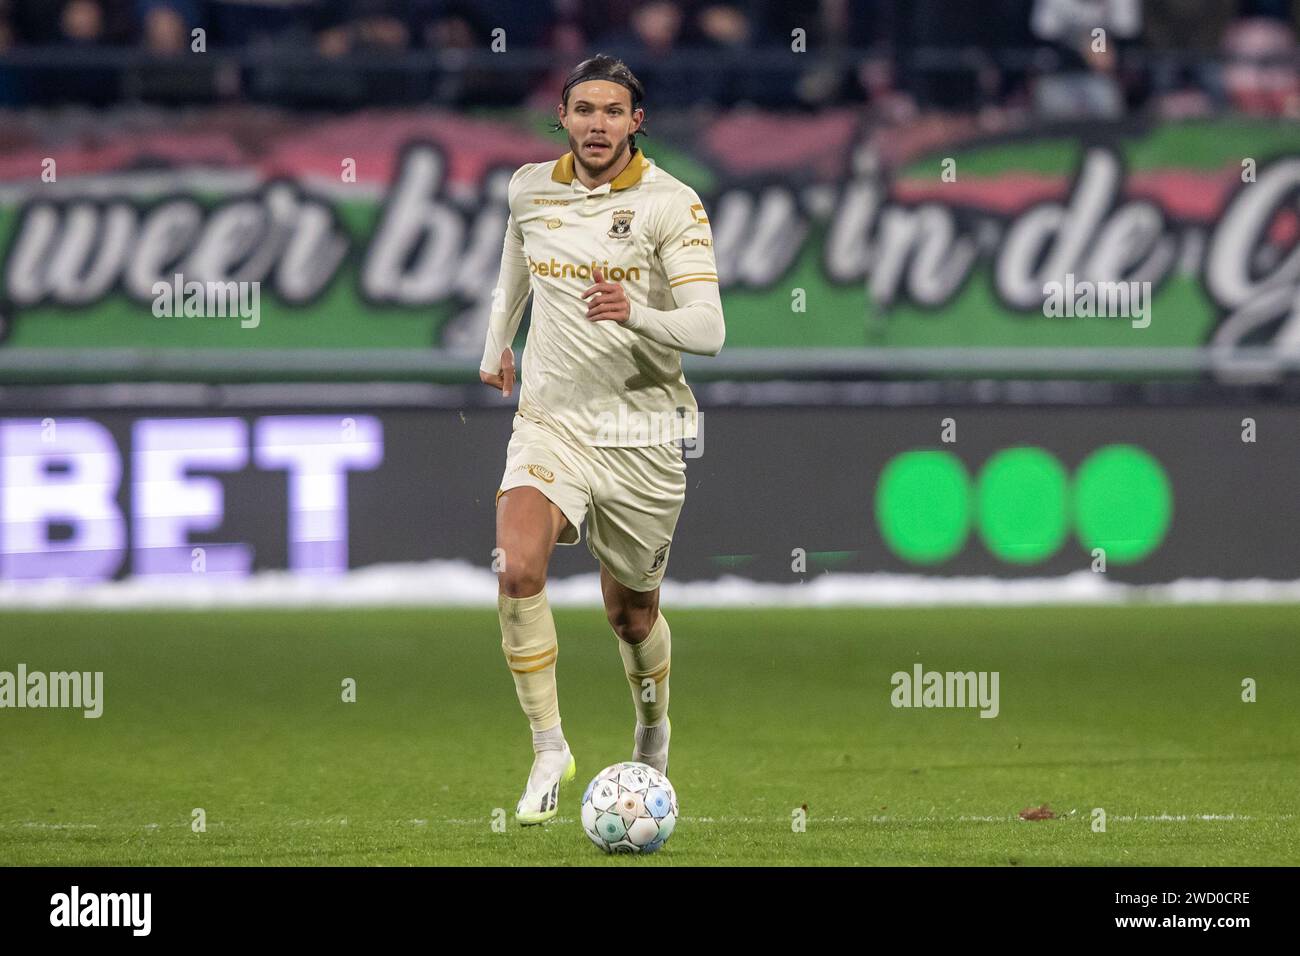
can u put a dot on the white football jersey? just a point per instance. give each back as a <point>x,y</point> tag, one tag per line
<point>607,383</point>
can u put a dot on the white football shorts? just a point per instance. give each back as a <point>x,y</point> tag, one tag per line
<point>630,496</point>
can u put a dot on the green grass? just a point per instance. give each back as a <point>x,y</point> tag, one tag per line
<point>1135,710</point>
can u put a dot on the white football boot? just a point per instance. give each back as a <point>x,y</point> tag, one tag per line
<point>658,757</point>
<point>541,799</point>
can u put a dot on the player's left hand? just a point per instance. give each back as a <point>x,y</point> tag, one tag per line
<point>608,300</point>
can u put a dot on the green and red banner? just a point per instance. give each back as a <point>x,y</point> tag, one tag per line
<point>373,239</point>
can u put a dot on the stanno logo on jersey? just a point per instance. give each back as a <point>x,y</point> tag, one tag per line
<point>551,202</point>
<point>539,471</point>
<point>622,227</point>
<point>554,223</point>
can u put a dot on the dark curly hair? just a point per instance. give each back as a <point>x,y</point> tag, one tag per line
<point>602,67</point>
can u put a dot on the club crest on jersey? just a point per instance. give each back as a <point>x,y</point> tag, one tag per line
<point>622,227</point>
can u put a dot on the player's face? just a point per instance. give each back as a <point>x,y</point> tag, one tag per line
<point>599,119</point>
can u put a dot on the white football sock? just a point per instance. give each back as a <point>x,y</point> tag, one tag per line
<point>647,666</point>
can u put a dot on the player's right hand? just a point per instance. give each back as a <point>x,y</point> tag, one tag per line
<point>503,381</point>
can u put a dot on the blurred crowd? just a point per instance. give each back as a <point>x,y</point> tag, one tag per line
<point>895,56</point>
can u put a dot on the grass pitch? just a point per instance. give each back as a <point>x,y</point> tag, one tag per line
<point>1135,710</point>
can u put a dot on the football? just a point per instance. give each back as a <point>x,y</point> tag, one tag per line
<point>629,808</point>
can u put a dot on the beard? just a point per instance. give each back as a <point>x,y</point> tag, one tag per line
<point>617,153</point>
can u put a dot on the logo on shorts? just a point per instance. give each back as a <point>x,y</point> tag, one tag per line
<point>545,474</point>
<point>660,554</point>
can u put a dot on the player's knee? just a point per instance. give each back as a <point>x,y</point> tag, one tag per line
<point>630,624</point>
<point>522,578</point>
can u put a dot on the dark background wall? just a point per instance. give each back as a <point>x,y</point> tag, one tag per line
<point>773,479</point>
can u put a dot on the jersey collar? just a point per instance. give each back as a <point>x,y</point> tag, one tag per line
<point>630,176</point>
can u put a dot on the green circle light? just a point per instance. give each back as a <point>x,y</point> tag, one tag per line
<point>1022,503</point>
<point>923,505</point>
<point>1122,503</point>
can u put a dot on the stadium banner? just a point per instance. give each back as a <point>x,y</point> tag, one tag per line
<point>252,244</point>
<point>781,494</point>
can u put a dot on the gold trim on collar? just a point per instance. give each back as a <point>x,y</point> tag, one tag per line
<point>630,176</point>
<point>563,171</point>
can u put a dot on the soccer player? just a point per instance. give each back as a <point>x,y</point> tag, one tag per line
<point>618,257</point>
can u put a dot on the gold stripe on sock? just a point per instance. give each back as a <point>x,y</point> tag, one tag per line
<point>525,658</point>
<point>536,667</point>
<point>659,675</point>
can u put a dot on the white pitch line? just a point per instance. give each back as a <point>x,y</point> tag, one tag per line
<point>1010,818</point>
<point>54,826</point>
<point>812,819</point>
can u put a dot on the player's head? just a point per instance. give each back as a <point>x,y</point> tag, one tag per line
<point>601,104</point>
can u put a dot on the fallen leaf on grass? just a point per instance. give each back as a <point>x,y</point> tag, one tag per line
<point>1037,813</point>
